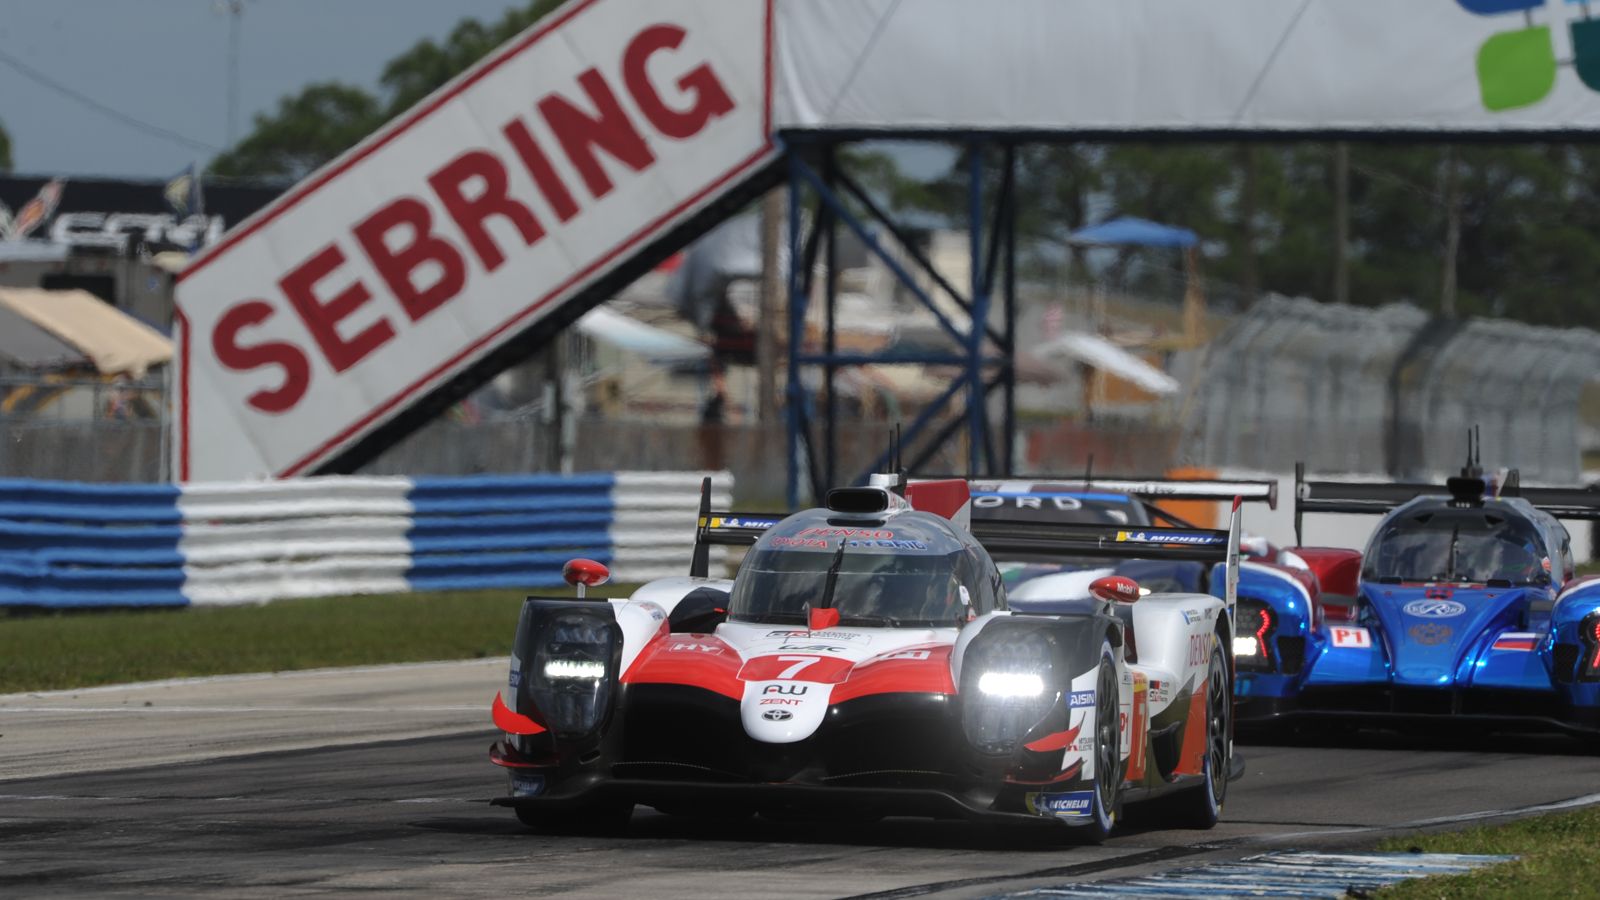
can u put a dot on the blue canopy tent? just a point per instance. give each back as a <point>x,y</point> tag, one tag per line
<point>1132,231</point>
<point>1126,231</point>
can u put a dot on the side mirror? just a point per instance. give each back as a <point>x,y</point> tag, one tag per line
<point>1115,589</point>
<point>585,573</point>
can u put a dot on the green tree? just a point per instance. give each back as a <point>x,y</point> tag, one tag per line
<point>5,151</point>
<point>323,120</point>
<point>305,131</point>
<point>427,66</point>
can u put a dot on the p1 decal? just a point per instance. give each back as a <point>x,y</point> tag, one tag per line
<point>1351,637</point>
<point>1073,805</point>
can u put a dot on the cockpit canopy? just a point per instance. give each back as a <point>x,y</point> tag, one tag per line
<point>911,569</point>
<point>1433,541</point>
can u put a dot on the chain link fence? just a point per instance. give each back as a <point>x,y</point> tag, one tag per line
<point>1379,391</point>
<point>1389,391</point>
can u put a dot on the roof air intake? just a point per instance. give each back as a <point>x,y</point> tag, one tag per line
<point>858,500</point>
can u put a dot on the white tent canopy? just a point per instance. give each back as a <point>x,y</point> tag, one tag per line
<point>1094,350</point>
<point>655,344</point>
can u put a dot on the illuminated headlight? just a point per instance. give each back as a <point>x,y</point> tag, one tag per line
<point>1011,684</point>
<point>573,689</point>
<point>1245,646</point>
<point>1008,690</point>
<point>574,668</point>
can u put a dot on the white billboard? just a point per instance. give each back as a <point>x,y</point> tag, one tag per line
<point>1116,66</point>
<point>484,208</point>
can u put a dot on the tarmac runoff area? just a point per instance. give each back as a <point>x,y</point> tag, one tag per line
<point>375,779</point>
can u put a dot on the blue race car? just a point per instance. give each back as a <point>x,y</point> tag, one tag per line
<point>1463,608</point>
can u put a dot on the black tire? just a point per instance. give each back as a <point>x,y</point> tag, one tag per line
<point>1108,754</point>
<point>1200,806</point>
<point>599,819</point>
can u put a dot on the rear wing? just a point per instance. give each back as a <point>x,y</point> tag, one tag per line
<point>1377,498</point>
<point>1007,538</point>
<point>1010,538</point>
<point>1147,491</point>
<point>725,529</point>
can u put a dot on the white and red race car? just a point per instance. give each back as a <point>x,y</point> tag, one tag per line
<point>863,662</point>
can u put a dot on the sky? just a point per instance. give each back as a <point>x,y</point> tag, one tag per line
<point>164,63</point>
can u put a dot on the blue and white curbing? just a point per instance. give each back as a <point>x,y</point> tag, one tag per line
<point>64,544</point>
<point>1286,873</point>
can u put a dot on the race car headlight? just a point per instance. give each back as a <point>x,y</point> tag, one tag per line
<point>1011,684</point>
<point>1007,689</point>
<point>571,683</point>
<point>1252,647</point>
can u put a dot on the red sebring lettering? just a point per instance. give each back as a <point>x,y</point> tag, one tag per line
<point>296,368</point>
<point>710,98</point>
<point>398,265</point>
<point>609,129</point>
<point>322,317</point>
<point>471,214</point>
<point>540,170</point>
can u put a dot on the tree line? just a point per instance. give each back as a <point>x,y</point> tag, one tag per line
<point>1466,229</point>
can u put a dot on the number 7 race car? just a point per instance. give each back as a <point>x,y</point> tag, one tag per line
<point>863,662</point>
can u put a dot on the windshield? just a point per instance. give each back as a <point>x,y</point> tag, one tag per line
<point>872,588</point>
<point>1466,546</point>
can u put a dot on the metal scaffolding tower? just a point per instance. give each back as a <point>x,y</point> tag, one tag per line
<point>982,355</point>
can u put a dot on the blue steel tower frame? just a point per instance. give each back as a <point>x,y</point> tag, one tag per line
<point>983,354</point>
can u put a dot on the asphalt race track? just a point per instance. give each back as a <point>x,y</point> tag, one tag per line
<point>166,790</point>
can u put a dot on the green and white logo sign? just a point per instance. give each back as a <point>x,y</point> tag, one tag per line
<point>1518,67</point>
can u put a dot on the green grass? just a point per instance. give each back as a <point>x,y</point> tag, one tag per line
<point>1559,857</point>
<point>81,649</point>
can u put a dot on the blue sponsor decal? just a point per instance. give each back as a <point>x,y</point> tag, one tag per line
<point>1435,609</point>
<point>527,785</point>
<point>1074,805</point>
<point>1081,699</point>
<point>516,678</point>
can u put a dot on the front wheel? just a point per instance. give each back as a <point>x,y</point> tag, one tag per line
<point>1107,753</point>
<point>1199,806</point>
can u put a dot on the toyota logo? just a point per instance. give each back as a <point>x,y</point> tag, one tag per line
<point>1434,609</point>
<point>777,715</point>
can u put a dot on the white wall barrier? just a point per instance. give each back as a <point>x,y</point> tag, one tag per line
<point>70,545</point>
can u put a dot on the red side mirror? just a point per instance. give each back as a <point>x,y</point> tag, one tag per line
<point>585,573</point>
<point>1115,588</point>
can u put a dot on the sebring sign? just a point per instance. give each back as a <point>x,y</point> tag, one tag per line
<point>462,223</point>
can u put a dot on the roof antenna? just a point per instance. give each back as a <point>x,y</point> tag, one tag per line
<point>897,466</point>
<point>1088,471</point>
<point>1477,445</point>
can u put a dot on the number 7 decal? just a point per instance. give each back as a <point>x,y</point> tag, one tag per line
<point>813,669</point>
<point>800,662</point>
